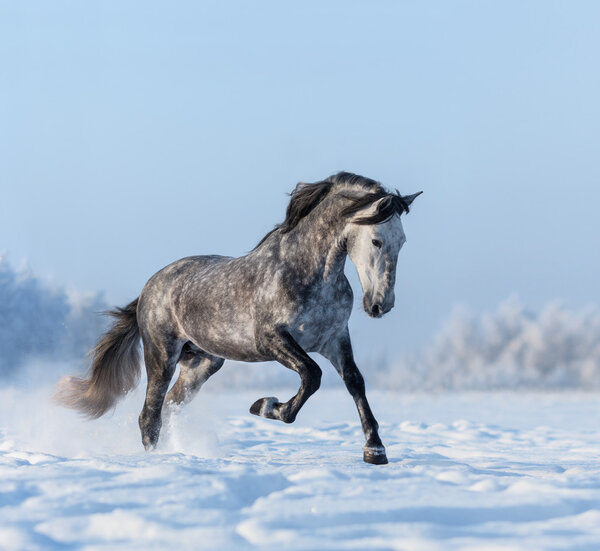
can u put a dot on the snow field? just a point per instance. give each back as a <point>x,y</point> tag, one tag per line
<point>467,472</point>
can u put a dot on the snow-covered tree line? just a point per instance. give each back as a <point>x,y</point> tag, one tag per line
<point>41,321</point>
<point>511,348</point>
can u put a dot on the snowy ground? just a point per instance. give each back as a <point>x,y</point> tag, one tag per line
<point>467,471</point>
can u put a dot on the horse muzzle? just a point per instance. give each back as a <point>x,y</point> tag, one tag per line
<point>377,308</point>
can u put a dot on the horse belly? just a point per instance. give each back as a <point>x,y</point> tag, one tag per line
<point>228,335</point>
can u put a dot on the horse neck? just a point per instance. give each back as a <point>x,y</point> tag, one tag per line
<point>316,245</point>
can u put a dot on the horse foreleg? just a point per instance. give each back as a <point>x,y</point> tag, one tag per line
<point>341,356</point>
<point>283,348</point>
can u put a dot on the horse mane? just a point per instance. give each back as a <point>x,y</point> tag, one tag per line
<point>306,197</point>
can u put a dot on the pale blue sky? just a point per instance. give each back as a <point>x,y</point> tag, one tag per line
<point>135,133</point>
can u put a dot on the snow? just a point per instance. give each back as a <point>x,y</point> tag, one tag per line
<point>468,471</point>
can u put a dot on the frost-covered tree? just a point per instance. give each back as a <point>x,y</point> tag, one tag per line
<point>38,320</point>
<point>512,348</point>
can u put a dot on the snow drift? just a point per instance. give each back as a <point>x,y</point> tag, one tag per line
<point>466,473</point>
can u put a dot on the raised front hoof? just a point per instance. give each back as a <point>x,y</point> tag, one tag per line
<point>375,456</point>
<point>265,407</point>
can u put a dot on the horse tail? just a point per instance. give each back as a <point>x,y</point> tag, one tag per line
<point>114,371</point>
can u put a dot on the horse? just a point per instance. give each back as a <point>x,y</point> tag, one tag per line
<point>287,297</point>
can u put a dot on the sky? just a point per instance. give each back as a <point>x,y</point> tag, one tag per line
<point>136,133</point>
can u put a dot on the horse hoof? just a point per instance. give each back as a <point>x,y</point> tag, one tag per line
<point>264,407</point>
<point>375,456</point>
<point>149,446</point>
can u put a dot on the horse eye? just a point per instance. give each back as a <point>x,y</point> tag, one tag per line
<point>377,243</point>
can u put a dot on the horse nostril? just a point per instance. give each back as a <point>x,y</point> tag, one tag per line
<point>376,310</point>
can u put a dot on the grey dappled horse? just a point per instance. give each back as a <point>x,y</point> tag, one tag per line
<point>287,297</point>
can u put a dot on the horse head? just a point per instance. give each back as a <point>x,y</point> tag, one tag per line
<point>374,237</point>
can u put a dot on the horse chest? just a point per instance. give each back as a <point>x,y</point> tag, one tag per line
<point>321,317</point>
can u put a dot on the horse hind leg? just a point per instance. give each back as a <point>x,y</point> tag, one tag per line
<point>196,367</point>
<point>160,361</point>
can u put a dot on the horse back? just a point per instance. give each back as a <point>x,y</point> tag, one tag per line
<point>207,300</point>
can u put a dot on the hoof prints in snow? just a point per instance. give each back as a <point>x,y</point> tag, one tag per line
<point>463,474</point>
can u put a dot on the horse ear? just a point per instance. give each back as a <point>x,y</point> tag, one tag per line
<point>408,199</point>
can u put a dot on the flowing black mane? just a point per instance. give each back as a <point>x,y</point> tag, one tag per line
<point>306,197</point>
